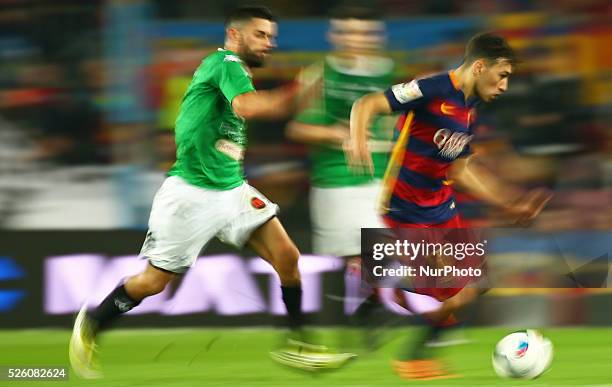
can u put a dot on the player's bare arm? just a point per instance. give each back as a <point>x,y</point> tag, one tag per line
<point>266,104</point>
<point>332,135</point>
<point>281,102</point>
<point>481,183</point>
<point>363,112</point>
<point>278,103</point>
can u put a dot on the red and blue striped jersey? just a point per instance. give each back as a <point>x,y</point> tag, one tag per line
<point>433,131</point>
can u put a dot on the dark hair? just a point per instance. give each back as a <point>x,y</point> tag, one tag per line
<point>359,12</point>
<point>247,13</point>
<point>490,47</point>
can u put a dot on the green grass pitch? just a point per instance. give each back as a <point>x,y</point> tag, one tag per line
<point>239,357</point>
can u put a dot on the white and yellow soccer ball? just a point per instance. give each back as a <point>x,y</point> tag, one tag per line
<point>524,354</point>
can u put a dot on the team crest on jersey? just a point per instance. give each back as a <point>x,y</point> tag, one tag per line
<point>406,92</point>
<point>257,203</point>
<point>451,144</point>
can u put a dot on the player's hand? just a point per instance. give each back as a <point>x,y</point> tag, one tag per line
<point>309,82</point>
<point>358,156</point>
<point>338,135</point>
<point>530,205</point>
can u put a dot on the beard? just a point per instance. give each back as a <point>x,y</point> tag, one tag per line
<point>250,58</point>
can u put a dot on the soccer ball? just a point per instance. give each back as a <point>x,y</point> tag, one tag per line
<point>524,354</point>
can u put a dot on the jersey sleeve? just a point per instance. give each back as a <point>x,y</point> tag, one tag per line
<point>233,78</point>
<point>410,95</point>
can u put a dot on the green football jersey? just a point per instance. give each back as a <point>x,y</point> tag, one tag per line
<point>210,137</point>
<point>342,85</point>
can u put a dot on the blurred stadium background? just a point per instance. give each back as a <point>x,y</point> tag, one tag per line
<point>88,96</point>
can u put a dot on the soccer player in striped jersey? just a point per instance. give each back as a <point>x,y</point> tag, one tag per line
<point>432,153</point>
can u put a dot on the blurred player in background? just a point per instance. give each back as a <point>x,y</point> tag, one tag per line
<point>206,194</point>
<point>342,202</point>
<point>431,153</point>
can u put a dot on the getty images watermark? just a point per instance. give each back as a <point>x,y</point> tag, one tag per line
<point>403,250</point>
<point>423,258</point>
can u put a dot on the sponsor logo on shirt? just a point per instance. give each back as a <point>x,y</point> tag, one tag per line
<point>406,92</point>
<point>235,132</point>
<point>451,144</point>
<point>230,149</point>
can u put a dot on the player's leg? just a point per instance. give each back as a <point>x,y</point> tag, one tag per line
<point>126,296</point>
<point>122,299</point>
<point>452,304</point>
<point>254,223</point>
<point>372,302</point>
<point>337,216</point>
<point>176,235</point>
<point>417,361</point>
<point>272,243</point>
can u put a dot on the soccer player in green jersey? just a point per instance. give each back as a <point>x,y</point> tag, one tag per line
<point>341,201</point>
<point>206,195</point>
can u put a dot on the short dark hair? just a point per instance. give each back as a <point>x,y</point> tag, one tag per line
<point>490,47</point>
<point>248,12</point>
<point>359,12</point>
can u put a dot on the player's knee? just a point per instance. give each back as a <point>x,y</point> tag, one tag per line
<point>150,285</point>
<point>286,261</point>
<point>157,286</point>
<point>288,254</point>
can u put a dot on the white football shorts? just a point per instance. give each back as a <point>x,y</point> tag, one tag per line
<point>338,214</point>
<point>185,217</point>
